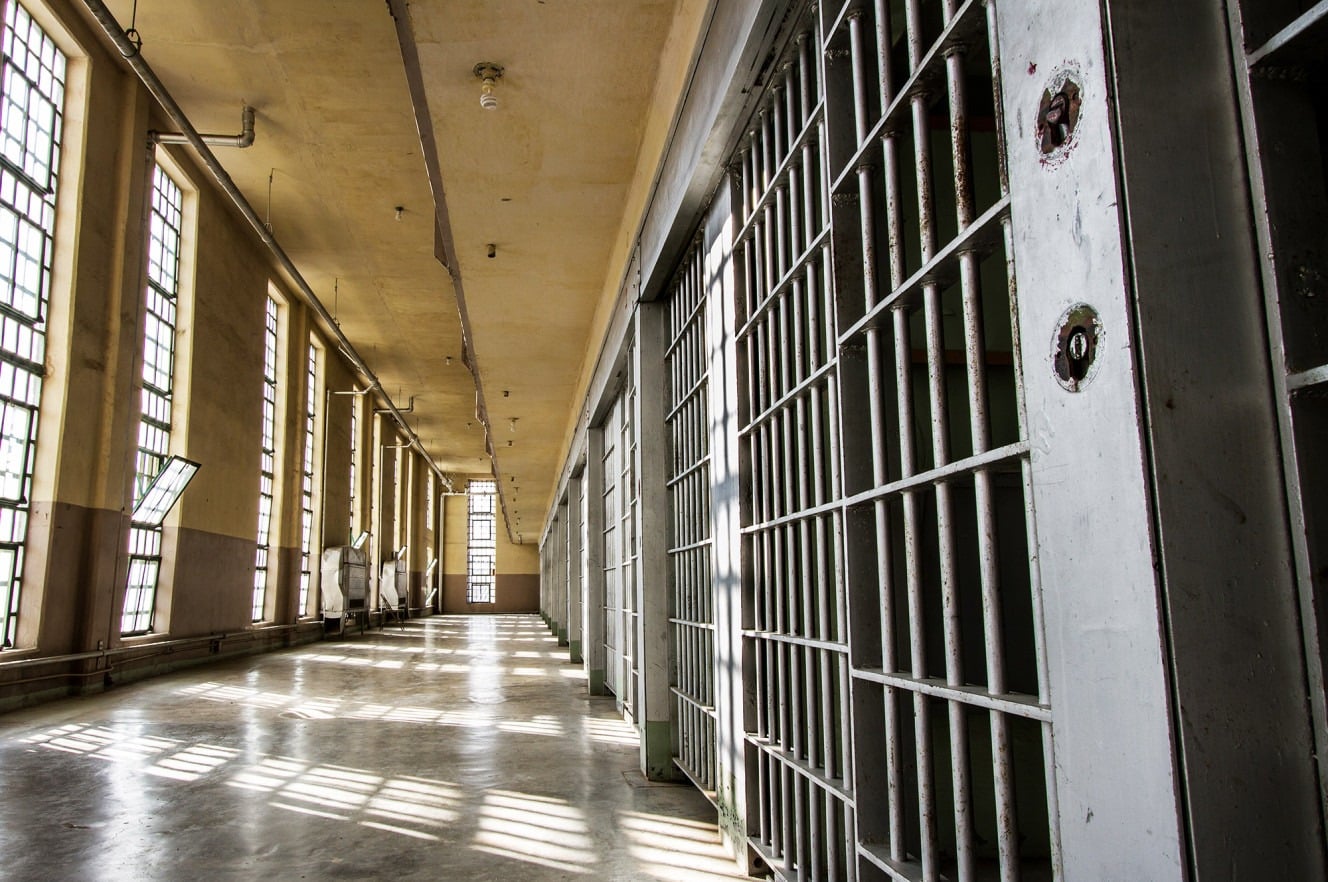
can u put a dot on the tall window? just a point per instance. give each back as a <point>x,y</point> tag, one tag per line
<point>481,544</point>
<point>31,96</point>
<point>154,425</point>
<point>267,477</point>
<point>307,481</point>
<point>354,449</point>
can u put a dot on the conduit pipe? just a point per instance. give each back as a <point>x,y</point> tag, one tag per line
<point>97,9</point>
<point>409,408</point>
<point>148,650</point>
<point>242,140</point>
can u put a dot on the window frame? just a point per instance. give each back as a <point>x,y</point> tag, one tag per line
<point>481,541</point>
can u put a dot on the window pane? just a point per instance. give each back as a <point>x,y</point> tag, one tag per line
<point>32,75</point>
<point>482,547</point>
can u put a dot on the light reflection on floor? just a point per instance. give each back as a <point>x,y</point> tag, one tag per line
<point>478,685</point>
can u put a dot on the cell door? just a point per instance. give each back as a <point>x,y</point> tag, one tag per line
<point>935,322</point>
<point>620,549</point>
<point>799,753</point>
<point>613,563</point>
<point>692,620</point>
<point>628,507</point>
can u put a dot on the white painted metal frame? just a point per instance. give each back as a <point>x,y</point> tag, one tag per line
<point>1115,799</point>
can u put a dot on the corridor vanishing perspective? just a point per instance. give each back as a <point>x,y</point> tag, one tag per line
<point>451,748</point>
<point>821,440</point>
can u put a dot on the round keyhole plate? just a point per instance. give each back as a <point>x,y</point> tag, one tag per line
<point>1074,347</point>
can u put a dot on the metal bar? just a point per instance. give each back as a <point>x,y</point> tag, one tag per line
<point>691,471</point>
<point>777,406</point>
<point>1304,379</point>
<point>686,696</point>
<point>897,869</point>
<point>761,197</point>
<point>680,339</point>
<point>921,715</point>
<point>1290,33</point>
<point>792,763</point>
<point>983,235</point>
<point>964,27</point>
<point>975,357</point>
<point>1013,703</point>
<point>692,546</point>
<point>1008,453</point>
<point>796,640</point>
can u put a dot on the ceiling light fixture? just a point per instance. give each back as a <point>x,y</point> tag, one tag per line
<point>488,73</point>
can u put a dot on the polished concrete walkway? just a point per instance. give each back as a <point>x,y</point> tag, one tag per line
<point>457,748</point>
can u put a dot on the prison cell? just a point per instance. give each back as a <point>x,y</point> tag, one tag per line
<point>798,639</point>
<point>692,621</point>
<point>558,574</point>
<point>910,474</point>
<point>612,521</point>
<point>950,702</point>
<point>573,567</point>
<point>619,534</point>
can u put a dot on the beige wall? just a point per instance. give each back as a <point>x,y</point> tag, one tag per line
<point>516,586</point>
<point>74,578</point>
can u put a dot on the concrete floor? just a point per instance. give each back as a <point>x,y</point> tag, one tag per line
<point>460,748</point>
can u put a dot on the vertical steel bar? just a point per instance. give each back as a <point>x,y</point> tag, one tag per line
<point>809,178</point>
<point>800,823</point>
<point>769,157</point>
<point>879,430</point>
<point>792,114</point>
<point>788,833</point>
<point>935,348</point>
<point>805,77</point>
<point>884,54</point>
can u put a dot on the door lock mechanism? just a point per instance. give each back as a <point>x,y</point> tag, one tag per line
<point>1074,347</point>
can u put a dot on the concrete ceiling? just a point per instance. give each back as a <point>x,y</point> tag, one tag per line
<point>555,179</point>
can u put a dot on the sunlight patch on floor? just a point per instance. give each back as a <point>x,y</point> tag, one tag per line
<point>534,829</point>
<point>676,850</point>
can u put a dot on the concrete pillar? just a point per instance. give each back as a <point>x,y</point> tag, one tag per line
<point>731,698</point>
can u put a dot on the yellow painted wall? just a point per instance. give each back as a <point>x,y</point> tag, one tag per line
<point>516,584</point>
<point>73,583</point>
